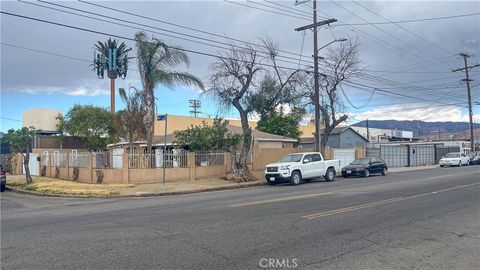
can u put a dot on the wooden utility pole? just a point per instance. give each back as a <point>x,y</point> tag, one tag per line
<point>468,80</point>
<point>316,95</point>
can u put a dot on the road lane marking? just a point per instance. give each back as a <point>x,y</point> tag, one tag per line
<point>366,205</point>
<point>291,198</point>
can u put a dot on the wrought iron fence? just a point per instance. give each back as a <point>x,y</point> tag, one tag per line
<point>209,158</point>
<point>79,160</point>
<point>172,159</point>
<point>102,160</point>
<point>59,159</point>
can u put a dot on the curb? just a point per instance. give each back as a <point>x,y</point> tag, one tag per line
<point>168,193</point>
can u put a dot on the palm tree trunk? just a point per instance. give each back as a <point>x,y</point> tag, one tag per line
<point>148,121</point>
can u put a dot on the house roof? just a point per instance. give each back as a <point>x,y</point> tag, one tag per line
<point>256,135</point>
<point>335,131</point>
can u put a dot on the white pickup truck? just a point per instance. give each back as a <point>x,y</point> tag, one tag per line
<point>294,168</point>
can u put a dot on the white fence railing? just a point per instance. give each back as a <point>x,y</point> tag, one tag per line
<point>209,158</point>
<point>175,159</point>
<point>79,160</point>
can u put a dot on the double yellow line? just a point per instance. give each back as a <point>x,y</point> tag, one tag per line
<point>366,205</point>
<point>291,198</point>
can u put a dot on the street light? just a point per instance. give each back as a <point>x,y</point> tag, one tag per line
<point>336,40</point>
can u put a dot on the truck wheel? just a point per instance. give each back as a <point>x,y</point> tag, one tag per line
<point>366,173</point>
<point>330,175</point>
<point>295,179</point>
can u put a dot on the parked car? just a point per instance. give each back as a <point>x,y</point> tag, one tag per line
<point>364,167</point>
<point>454,159</point>
<point>3,179</point>
<point>294,168</point>
<point>474,158</point>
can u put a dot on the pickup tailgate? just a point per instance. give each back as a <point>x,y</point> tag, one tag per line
<point>333,163</point>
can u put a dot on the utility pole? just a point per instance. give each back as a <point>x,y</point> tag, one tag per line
<point>195,104</point>
<point>468,80</point>
<point>316,95</point>
<point>368,132</point>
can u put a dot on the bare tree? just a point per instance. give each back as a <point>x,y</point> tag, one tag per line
<point>231,81</point>
<point>340,64</point>
<point>131,118</point>
<point>234,84</point>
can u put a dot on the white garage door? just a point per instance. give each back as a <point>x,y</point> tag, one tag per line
<point>344,155</point>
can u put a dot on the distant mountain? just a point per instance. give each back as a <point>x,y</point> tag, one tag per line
<point>424,128</point>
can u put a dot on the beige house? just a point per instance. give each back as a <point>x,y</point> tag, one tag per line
<point>178,123</point>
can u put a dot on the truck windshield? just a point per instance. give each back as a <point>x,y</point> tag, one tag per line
<point>292,158</point>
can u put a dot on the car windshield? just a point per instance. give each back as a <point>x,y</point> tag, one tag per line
<point>360,161</point>
<point>292,158</point>
<point>452,155</point>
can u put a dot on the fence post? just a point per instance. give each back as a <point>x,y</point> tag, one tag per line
<point>192,166</point>
<point>67,165</point>
<point>228,161</point>
<point>90,167</point>
<point>125,169</point>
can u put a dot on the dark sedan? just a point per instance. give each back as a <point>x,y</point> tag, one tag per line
<point>364,167</point>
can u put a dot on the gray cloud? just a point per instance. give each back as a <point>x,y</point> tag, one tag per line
<point>24,70</point>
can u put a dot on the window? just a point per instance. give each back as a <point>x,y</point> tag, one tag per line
<point>316,157</point>
<point>309,157</point>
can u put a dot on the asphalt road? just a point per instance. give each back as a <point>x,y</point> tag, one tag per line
<point>426,219</point>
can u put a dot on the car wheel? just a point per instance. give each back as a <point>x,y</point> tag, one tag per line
<point>271,183</point>
<point>385,171</point>
<point>460,163</point>
<point>295,179</point>
<point>330,175</point>
<point>2,188</point>
<point>366,173</point>
<point>344,175</point>
<point>441,166</point>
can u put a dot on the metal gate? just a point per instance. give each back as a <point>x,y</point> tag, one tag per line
<point>394,155</point>
<point>421,155</point>
<point>344,155</point>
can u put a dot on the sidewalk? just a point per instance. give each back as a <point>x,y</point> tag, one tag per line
<point>54,187</point>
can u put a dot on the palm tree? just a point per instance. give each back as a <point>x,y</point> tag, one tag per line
<point>120,70</point>
<point>156,61</point>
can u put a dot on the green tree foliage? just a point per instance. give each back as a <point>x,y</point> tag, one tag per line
<point>156,61</point>
<point>205,137</point>
<point>95,125</point>
<point>283,124</point>
<point>21,141</point>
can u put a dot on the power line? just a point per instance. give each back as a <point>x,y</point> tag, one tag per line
<point>11,119</point>
<point>401,27</point>
<point>413,20</point>
<point>180,35</point>
<point>266,10</point>
<point>205,32</point>
<point>127,38</point>
<point>385,32</point>
<point>181,26</point>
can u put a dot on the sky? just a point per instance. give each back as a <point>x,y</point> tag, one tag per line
<point>406,66</point>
